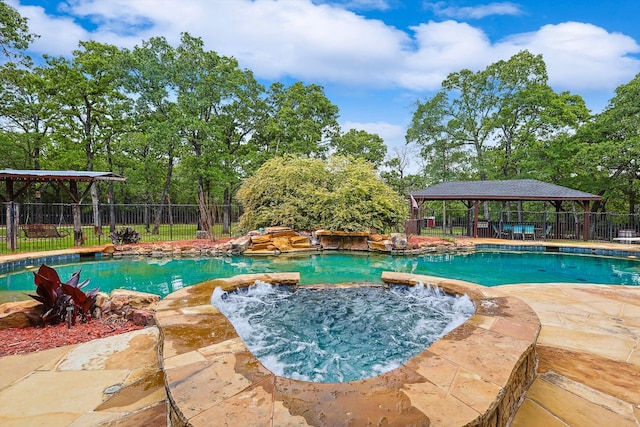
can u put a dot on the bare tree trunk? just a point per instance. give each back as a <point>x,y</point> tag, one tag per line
<point>112,209</point>
<point>205,216</point>
<point>226,212</point>
<point>165,197</point>
<point>78,238</point>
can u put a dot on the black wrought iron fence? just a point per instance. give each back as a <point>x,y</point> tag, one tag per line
<point>534,225</point>
<point>51,226</point>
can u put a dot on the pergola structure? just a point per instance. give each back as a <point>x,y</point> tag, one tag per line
<point>471,193</point>
<point>18,181</point>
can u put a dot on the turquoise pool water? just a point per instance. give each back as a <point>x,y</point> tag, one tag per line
<point>341,334</point>
<point>488,268</point>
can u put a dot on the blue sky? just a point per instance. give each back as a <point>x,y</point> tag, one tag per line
<point>375,58</point>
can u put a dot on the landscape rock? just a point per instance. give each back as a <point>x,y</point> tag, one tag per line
<point>121,299</point>
<point>21,314</point>
<point>142,317</point>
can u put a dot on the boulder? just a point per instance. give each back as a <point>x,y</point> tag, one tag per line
<point>142,317</point>
<point>21,314</point>
<point>399,240</point>
<point>123,300</point>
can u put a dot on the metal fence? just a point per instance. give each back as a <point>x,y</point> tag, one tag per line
<point>603,227</point>
<point>51,226</point>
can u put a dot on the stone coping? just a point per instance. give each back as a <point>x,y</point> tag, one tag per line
<point>475,375</point>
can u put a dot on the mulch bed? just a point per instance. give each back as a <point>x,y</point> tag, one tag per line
<point>28,340</point>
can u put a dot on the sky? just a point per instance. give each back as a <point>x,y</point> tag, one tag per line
<point>374,58</point>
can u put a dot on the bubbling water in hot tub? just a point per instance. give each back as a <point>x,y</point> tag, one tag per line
<point>343,333</point>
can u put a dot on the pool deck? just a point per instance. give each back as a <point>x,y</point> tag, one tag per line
<point>588,370</point>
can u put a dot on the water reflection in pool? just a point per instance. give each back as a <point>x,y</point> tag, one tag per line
<point>163,276</point>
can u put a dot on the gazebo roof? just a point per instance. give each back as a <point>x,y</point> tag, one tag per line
<point>28,177</point>
<point>46,175</point>
<point>516,189</point>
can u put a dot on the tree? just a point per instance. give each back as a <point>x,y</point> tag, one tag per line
<point>395,174</point>
<point>529,115</point>
<point>489,124</point>
<point>361,144</point>
<point>485,123</point>
<point>219,107</point>
<point>454,119</point>
<point>156,145</point>
<point>300,120</point>
<point>306,194</point>
<point>609,148</point>
<point>14,34</point>
<point>28,114</point>
<point>92,110</point>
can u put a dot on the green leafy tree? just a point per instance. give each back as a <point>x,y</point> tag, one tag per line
<point>490,124</point>
<point>92,108</point>
<point>529,115</point>
<point>219,107</point>
<point>361,144</point>
<point>14,34</point>
<point>608,158</point>
<point>300,120</point>
<point>485,124</point>
<point>93,113</point>
<point>454,120</point>
<point>28,113</point>
<point>307,193</point>
<point>155,147</point>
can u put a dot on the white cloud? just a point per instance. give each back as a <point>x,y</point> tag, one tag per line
<point>324,43</point>
<point>58,35</point>
<point>474,12</point>
<point>579,56</point>
<point>392,134</point>
<point>359,4</point>
<point>442,48</point>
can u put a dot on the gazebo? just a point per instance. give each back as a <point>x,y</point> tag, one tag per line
<point>471,193</point>
<point>13,178</point>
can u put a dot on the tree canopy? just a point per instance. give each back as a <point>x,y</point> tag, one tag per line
<point>187,125</point>
<point>341,193</point>
<point>486,124</point>
<point>607,154</point>
<point>14,34</point>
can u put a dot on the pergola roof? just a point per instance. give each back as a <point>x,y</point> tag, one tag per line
<point>516,189</point>
<point>27,177</point>
<point>45,175</point>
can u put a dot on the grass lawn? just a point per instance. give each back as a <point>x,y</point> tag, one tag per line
<point>91,238</point>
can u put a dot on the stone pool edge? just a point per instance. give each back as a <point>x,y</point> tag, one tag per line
<point>475,375</point>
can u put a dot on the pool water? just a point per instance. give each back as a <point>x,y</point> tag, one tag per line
<point>339,334</point>
<point>489,268</point>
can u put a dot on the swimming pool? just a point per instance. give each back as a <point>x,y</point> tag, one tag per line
<point>489,268</point>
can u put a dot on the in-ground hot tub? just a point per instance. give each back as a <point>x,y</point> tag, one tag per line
<point>474,375</point>
<point>339,333</point>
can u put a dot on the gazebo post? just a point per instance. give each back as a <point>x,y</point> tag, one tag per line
<point>475,218</point>
<point>587,214</point>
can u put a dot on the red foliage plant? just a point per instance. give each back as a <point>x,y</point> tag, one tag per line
<point>62,300</point>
